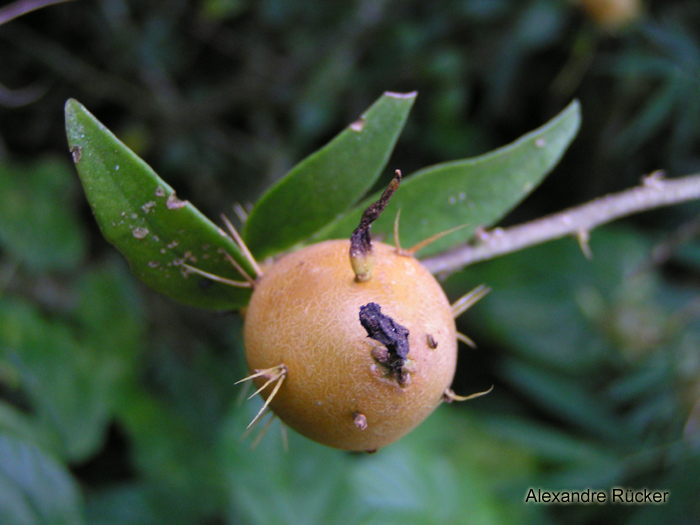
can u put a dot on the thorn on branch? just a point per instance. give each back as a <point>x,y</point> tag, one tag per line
<point>654,179</point>
<point>583,237</point>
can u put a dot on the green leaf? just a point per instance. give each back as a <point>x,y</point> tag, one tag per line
<point>430,489</point>
<point>62,380</point>
<point>330,181</point>
<point>172,423</point>
<point>38,222</point>
<point>548,443</point>
<point>72,380</point>
<point>141,216</point>
<point>107,297</point>
<point>175,455</point>
<point>568,399</point>
<point>34,488</point>
<point>436,474</point>
<point>27,427</point>
<point>473,192</point>
<point>557,314</point>
<point>648,120</point>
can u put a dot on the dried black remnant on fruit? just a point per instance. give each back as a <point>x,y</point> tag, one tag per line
<point>391,335</point>
<point>361,251</point>
<point>384,329</point>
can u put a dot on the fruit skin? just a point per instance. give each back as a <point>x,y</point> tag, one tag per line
<point>304,313</point>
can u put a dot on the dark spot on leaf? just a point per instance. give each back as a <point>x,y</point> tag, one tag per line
<point>77,153</point>
<point>173,203</point>
<point>358,125</point>
<point>205,284</point>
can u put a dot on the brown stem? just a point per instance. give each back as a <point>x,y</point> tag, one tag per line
<point>654,192</point>
<point>361,251</point>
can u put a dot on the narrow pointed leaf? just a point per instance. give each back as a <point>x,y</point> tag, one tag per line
<point>330,181</point>
<point>473,192</point>
<point>141,216</point>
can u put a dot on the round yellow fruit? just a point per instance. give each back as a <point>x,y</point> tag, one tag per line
<point>304,316</point>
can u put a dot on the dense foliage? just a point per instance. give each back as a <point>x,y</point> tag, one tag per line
<point>118,406</point>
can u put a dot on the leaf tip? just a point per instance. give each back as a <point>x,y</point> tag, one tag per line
<point>72,110</point>
<point>574,108</point>
<point>71,107</point>
<point>393,94</point>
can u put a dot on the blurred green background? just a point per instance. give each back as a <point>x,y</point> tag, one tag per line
<point>117,406</point>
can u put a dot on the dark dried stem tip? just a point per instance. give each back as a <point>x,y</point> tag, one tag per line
<point>361,251</point>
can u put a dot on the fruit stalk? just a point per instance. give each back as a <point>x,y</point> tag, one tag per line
<point>361,250</point>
